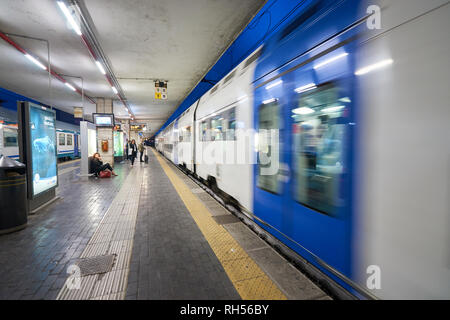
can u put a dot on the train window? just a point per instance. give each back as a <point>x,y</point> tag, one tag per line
<point>69,140</point>
<point>217,129</point>
<point>231,127</point>
<point>214,89</point>
<point>229,77</point>
<point>62,139</point>
<point>318,145</point>
<point>252,58</point>
<point>10,137</point>
<point>187,134</point>
<point>268,147</point>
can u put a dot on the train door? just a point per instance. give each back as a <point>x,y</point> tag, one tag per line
<point>306,201</point>
<point>76,150</point>
<point>174,134</point>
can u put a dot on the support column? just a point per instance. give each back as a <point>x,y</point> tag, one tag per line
<point>105,105</point>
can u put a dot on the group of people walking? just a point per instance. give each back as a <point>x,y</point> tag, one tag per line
<point>131,150</point>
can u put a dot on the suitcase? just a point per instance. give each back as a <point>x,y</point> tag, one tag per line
<point>146,159</point>
<point>105,174</point>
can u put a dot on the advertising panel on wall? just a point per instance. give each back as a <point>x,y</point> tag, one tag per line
<point>92,141</point>
<point>37,142</point>
<point>42,131</point>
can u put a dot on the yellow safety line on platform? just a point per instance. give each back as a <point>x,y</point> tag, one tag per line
<point>249,280</point>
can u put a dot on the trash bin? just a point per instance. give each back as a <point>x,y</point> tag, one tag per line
<point>13,195</point>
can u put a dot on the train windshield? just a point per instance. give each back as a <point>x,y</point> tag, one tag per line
<point>318,145</point>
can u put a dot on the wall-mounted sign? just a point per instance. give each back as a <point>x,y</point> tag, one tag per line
<point>161,90</point>
<point>78,112</point>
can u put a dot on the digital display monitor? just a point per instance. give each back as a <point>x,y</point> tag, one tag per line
<point>103,119</point>
<point>42,137</point>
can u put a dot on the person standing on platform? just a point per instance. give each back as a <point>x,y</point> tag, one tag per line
<point>126,148</point>
<point>132,151</point>
<point>141,150</point>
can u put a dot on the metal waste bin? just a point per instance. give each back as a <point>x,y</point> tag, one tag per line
<point>13,195</point>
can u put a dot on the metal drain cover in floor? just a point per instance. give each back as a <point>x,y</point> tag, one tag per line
<point>96,265</point>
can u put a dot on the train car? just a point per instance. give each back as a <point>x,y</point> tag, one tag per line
<point>9,140</point>
<point>349,108</point>
<point>185,146</point>
<point>224,139</point>
<point>68,144</point>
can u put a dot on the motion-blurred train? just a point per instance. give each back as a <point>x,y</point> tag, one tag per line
<point>334,138</point>
<point>68,142</point>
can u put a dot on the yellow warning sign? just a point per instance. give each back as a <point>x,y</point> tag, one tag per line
<point>157,95</point>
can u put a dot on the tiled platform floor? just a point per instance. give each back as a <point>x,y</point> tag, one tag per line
<point>171,258</point>
<point>33,261</point>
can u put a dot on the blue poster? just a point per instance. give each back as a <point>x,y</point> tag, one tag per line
<point>43,154</point>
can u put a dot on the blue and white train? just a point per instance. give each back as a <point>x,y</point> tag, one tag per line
<point>68,142</point>
<point>334,138</point>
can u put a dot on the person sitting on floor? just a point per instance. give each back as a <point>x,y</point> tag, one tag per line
<point>98,166</point>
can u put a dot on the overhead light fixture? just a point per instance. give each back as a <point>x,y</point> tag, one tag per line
<point>269,101</point>
<point>306,87</point>
<point>339,56</point>
<point>36,62</point>
<point>374,66</point>
<point>100,67</point>
<point>114,90</point>
<point>333,109</point>
<point>69,17</point>
<point>303,110</point>
<point>274,84</point>
<point>70,86</point>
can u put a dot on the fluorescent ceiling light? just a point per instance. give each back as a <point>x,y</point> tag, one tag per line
<point>303,110</point>
<point>36,62</point>
<point>70,86</point>
<point>114,90</point>
<point>100,67</point>
<point>69,17</point>
<point>306,87</point>
<point>333,109</point>
<point>339,56</point>
<point>274,84</point>
<point>374,66</point>
<point>269,101</point>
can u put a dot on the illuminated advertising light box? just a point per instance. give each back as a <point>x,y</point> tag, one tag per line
<point>118,144</point>
<point>103,119</point>
<point>92,142</point>
<point>41,155</point>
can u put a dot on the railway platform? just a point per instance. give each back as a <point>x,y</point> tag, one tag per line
<point>149,233</point>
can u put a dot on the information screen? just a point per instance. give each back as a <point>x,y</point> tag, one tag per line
<point>43,148</point>
<point>103,119</point>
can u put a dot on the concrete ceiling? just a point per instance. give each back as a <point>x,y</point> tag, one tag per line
<point>173,40</point>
